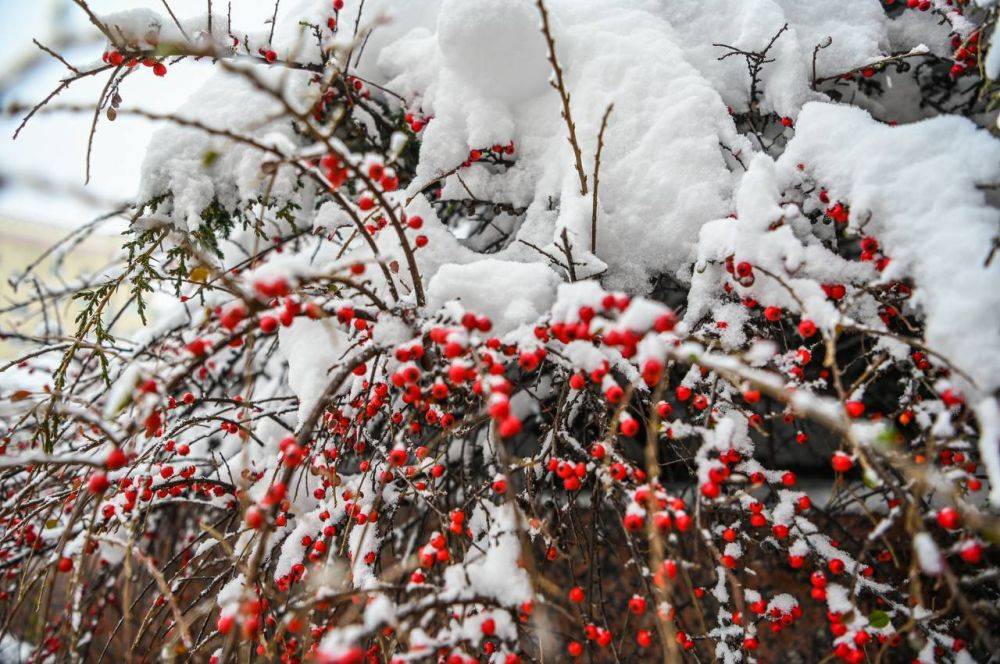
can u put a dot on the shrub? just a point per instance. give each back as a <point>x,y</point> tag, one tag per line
<point>651,334</point>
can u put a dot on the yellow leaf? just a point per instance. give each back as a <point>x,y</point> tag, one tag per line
<point>200,274</point>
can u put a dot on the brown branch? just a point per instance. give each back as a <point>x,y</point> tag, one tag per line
<point>97,114</point>
<point>274,19</point>
<point>65,83</point>
<point>875,65</point>
<point>560,85</point>
<point>816,49</point>
<point>176,22</point>
<point>56,56</point>
<point>96,21</point>
<point>568,251</point>
<point>597,171</point>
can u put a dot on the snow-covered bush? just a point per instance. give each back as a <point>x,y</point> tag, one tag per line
<point>495,330</point>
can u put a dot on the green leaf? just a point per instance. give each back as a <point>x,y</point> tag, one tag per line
<point>887,439</point>
<point>878,619</point>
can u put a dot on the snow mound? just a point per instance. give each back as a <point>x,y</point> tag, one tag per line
<point>511,294</point>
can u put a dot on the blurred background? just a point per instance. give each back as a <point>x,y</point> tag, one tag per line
<point>43,194</point>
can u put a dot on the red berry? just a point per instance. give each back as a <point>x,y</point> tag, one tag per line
<point>98,483</point>
<point>841,462</point>
<point>634,522</point>
<point>971,552</point>
<point>398,456</point>
<point>225,624</point>
<point>232,315</point>
<point>948,518</point>
<point>510,426</point>
<point>115,459</point>
<point>254,517</point>
<point>637,605</point>
<point>268,324</point>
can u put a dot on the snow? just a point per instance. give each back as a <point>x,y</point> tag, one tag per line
<point>939,232</point>
<point>311,348</point>
<point>147,29</point>
<point>511,294</point>
<point>496,72</point>
<point>992,64</point>
<point>661,111</point>
<point>920,32</point>
<point>795,261</point>
<point>988,414</point>
<point>14,650</point>
<point>682,192</point>
<point>493,572</point>
<point>837,599</point>
<point>231,594</point>
<point>928,555</point>
<point>198,169</point>
<point>856,30</point>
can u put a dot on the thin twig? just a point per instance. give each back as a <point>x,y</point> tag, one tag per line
<point>176,22</point>
<point>560,85</point>
<point>274,19</point>
<point>56,56</point>
<point>597,171</point>
<point>98,23</point>
<point>816,49</point>
<point>566,249</point>
<point>97,115</point>
<point>65,83</point>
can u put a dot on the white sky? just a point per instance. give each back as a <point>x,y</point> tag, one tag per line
<point>53,147</point>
